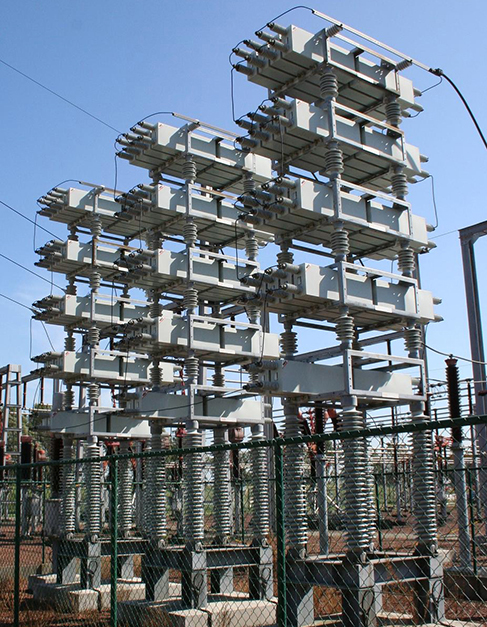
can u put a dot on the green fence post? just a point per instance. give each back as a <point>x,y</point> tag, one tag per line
<point>18,497</point>
<point>281,537</point>
<point>113,541</point>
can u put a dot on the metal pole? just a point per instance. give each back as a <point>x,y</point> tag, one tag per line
<point>467,239</point>
<point>113,541</point>
<point>281,537</point>
<point>18,495</point>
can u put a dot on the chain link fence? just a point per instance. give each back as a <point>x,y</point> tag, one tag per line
<point>284,532</point>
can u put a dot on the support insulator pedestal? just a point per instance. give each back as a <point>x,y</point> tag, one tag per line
<point>158,485</point>
<point>260,487</point>
<point>95,225</point>
<point>190,299</point>
<point>191,368</point>
<point>68,400</point>
<point>356,484</point>
<point>190,232</point>
<point>193,521</point>
<point>95,281</point>
<point>93,490</point>
<point>424,485</point>
<point>68,479</point>
<point>221,489</point>
<point>69,342</point>
<point>288,341</point>
<point>295,503</point>
<point>125,491</point>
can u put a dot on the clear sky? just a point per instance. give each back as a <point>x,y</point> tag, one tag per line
<point>122,60</point>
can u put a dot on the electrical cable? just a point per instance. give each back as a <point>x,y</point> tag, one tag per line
<point>31,272</point>
<point>17,302</point>
<point>451,355</point>
<point>439,72</point>
<point>54,93</point>
<point>22,215</point>
<point>433,195</point>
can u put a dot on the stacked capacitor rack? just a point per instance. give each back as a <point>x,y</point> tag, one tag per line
<point>331,125</point>
<point>197,318</point>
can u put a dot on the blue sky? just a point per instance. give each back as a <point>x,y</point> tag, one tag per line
<point>122,60</point>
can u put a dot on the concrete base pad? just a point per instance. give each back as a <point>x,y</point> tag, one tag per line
<point>70,598</point>
<point>227,611</point>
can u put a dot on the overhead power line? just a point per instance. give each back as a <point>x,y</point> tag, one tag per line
<point>22,215</point>
<point>31,272</point>
<point>54,93</point>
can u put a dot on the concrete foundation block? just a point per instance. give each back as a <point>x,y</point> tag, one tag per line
<point>84,601</point>
<point>126,591</point>
<point>165,613</point>
<point>241,613</point>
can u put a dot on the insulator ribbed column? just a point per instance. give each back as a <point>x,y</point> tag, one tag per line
<point>158,484</point>
<point>221,488</point>
<point>424,496</point>
<point>393,110</point>
<point>93,489</point>
<point>125,491</point>
<point>148,489</point>
<point>68,503</point>
<point>356,483</point>
<point>285,255</point>
<point>68,399</point>
<point>260,487</point>
<point>193,487</point>
<point>372,506</point>
<point>295,503</point>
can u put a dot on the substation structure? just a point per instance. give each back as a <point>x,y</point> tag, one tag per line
<point>156,274</point>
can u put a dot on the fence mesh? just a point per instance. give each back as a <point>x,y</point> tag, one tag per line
<point>254,534</point>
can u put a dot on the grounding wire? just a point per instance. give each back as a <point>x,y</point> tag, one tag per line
<point>54,93</point>
<point>433,196</point>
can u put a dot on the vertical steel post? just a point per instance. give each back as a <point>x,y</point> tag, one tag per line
<point>18,495</point>
<point>281,537</point>
<point>113,541</point>
<point>468,237</point>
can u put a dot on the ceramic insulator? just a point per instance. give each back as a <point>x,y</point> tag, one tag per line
<point>340,244</point>
<point>251,246</point>
<point>68,503</point>
<point>191,368</point>
<point>93,491</point>
<point>95,226</point>
<point>345,329</point>
<point>413,341</point>
<point>125,483</point>
<point>95,280</point>
<point>193,521</point>
<point>424,489</point>
<point>333,159</point>
<point>295,502</point>
<point>190,298</point>
<point>393,112</point>
<point>158,487</point>
<point>93,336</point>
<point>260,487</point>
<point>405,261</point>
<point>356,488</point>
<point>93,393</point>
<point>399,182</point>
<point>189,169</point>
<point>328,84</point>
<point>190,232</point>
<point>221,487</point>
